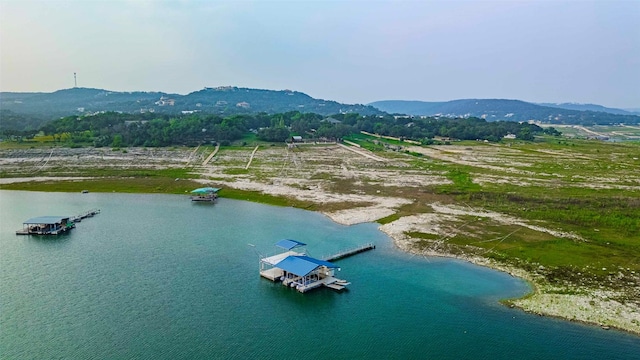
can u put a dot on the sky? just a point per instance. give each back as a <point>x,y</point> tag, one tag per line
<point>347,51</point>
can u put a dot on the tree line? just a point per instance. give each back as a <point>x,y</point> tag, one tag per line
<point>156,130</point>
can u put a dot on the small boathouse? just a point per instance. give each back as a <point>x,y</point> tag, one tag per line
<point>46,225</point>
<point>297,270</point>
<point>205,194</point>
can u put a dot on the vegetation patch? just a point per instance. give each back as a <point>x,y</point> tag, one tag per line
<point>235,171</point>
<point>111,184</point>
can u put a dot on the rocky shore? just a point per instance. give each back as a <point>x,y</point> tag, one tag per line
<point>574,303</point>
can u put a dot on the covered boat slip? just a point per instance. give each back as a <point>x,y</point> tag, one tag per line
<point>305,273</point>
<point>268,267</point>
<point>46,225</point>
<point>205,194</point>
<point>299,271</point>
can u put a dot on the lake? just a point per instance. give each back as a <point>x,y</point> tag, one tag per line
<point>160,277</point>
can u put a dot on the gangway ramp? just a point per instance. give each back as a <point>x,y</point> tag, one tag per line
<point>349,252</point>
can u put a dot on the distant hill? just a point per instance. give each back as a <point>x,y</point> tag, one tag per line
<point>48,106</point>
<point>590,107</point>
<point>221,100</point>
<point>501,109</point>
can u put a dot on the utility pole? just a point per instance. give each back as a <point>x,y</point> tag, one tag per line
<point>75,80</point>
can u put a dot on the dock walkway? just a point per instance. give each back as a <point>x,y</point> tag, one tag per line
<point>350,252</point>
<point>86,214</point>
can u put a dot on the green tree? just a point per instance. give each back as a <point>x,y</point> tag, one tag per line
<point>117,141</point>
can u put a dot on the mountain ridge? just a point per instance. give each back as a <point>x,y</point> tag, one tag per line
<point>229,100</point>
<point>503,109</point>
<point>590,107</point>
<point>223,100</point>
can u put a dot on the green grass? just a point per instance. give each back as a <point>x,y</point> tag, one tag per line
<point>110,184</point>
<point>575,209</point>
<point>607,218</point>
<point>462,182</point>
<point>389,219</point>
<point>235,171</point>
<point>262,198</point>
<point>103,172</point>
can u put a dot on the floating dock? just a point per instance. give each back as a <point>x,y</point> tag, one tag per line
<point>46,225</point>
<point>84,215</point>
<point>209,194</point>
<point>53,225</point>
<point>297,270</point>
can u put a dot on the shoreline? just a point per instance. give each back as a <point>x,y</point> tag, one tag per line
<point>591,305</point>
<point>588,306</point>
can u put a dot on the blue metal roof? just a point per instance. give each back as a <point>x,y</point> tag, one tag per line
<point>318,261</point>
<point>205,190</point>
<point>302,265</point>
<point>46,220</point>
<point>288,244</point>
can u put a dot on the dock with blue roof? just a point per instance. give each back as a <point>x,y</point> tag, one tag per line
<point>294,268</point>
<point>205,194</point>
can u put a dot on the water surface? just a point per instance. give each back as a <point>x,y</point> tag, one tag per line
<point>157,276</point>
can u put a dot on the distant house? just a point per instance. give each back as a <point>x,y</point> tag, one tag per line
<point>165,101</point>
<point>296,139</point>
<point>510,136</point>
<point>243,104</point>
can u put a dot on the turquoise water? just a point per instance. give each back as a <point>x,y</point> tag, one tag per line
<point>160,277</point>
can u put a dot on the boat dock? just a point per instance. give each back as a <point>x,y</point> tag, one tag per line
<point>304,285</point>
<point>209,194</point>
<point>53,225</point>
<point>46,225</point>
<point>295,269</point>
<point>84,215</point>
<point>350,252</point>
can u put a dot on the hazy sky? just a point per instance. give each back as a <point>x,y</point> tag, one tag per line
<point>348,51</point>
